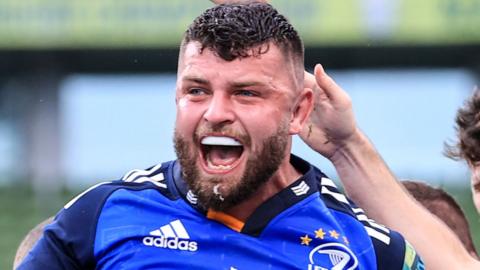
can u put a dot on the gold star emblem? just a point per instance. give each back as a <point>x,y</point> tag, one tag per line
<point>306,240</point>
<point>334,234</point>
<point>320,233</point>
<point>345,239</point>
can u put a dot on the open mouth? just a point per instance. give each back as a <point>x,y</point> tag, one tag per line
<point>221,154</point>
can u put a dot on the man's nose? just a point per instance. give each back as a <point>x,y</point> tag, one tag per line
<point>219,111</point>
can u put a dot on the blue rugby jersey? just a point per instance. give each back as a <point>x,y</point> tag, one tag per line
<point>150,220</point>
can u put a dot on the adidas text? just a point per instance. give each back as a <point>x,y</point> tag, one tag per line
<point>170,243</point>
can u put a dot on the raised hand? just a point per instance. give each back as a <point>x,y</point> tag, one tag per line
<point>331,124</point>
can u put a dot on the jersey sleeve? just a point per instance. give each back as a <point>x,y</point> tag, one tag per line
<point>67,243</point>
<point>396,254</point>
<point>392,251</point>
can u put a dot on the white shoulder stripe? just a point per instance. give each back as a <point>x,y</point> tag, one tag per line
<point>130,176</point>
<point>327,182</point>
<point>71,202</point>
<point>372,223</point>
<point>151,180</point>
<point>357,210</point>
<point>378,235</point>
<point>369,224</point>
<point>338,196</point>
<point>158,177</point>
<point>127,175</point>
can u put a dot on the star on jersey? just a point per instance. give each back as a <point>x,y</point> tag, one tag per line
<point>306,240</point>
<point>334,234</point>
<point>321,234</point>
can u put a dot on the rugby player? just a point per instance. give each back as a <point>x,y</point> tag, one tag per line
<point>235,198</point>
<point>467,124</point>
<point>444,206</point>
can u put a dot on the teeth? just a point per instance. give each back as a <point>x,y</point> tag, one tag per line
<point>226,141</point>
<point>218,167</point>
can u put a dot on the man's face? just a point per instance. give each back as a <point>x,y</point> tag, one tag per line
<point>233,122</point>
<point>475,181</point>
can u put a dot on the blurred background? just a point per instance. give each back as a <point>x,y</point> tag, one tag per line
<point>87,90</point>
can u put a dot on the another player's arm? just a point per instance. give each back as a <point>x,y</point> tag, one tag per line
<point>332,132</point>
<point>68,242</point>
<point>29,241</point>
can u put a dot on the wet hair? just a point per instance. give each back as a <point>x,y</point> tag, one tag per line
<point>244,30</point>
<point>467,126</point>
<point>444,206</point>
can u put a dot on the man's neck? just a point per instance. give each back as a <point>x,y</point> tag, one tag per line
<point>285,175</point>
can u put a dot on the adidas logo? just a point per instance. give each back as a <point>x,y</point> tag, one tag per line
<point>171,236</point>
<point>301,189</point>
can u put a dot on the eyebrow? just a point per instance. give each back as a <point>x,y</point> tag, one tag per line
<point>199,80</point>
<point>195,80</point>
<point>246,84</point>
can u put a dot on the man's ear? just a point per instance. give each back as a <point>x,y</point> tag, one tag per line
<point>301,112</point>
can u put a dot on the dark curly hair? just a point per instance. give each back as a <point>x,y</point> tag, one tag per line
<point>467,126</point>
<point>244,30</point>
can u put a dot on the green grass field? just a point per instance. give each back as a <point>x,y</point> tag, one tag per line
<point>20,210</point>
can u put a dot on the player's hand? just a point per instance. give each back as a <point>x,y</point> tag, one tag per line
<point>218,2</point>
<point>331,124</point>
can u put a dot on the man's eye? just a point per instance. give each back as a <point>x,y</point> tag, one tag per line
<point>246,93</point>
<point>196,91</point>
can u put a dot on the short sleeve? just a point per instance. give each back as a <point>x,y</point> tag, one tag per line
<point>67,243</point>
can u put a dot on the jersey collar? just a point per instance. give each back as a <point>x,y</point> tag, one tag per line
<point>303,187</point>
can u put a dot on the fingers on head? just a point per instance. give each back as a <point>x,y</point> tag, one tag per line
<point>329,86</point>
<point>322,78</point>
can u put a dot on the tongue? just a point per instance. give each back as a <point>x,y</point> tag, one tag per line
<point>224,155</point>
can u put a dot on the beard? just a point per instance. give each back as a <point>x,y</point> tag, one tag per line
<point>222,192</point>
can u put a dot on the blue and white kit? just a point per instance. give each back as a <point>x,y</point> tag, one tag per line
<point>151,220</point>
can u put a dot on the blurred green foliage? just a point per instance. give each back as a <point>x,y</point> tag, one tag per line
<point>33,24</point>
<point>21,209</point>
